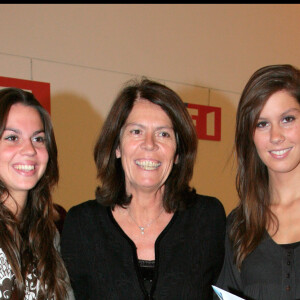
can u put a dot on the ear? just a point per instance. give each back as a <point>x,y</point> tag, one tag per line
<point>118,152</point>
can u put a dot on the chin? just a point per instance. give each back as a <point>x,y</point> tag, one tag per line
<point>27,186</point>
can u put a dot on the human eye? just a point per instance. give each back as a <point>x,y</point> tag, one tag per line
<point>40,139</point>
<point>135,131</point>
<point>262,124</point>
<point>11,138</point>
<point>288,119</point>
<point>164,134</point>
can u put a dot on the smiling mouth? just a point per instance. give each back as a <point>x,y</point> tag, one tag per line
<point>280,152</point>
<point>25,168</point>
<point>147,164</point>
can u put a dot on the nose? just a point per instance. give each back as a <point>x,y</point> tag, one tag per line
<point>276,135</point>
<point>149,142</point>
<point>28,148</point>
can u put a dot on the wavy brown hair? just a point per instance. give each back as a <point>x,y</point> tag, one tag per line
<point>253,215</point>
<point>109,168</point>
<point>29,244</point>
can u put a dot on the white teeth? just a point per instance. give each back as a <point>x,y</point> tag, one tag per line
<point>148,165</point>
<point>24,167</point>
<point>280,152</point>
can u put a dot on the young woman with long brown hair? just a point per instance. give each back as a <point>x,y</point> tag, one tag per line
<point>30,265</point>
<point>262,258</point>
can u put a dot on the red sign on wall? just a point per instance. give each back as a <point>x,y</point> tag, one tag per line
<point>207,121</point>
<point>41,90</point>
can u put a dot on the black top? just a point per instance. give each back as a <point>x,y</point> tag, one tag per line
<point>271,271</point>
<point>102,260</point>
<point>147,272</point>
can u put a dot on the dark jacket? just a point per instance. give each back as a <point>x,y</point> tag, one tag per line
<point>102,261</point>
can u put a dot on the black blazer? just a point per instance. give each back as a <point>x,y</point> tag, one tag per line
<point>102,261</point>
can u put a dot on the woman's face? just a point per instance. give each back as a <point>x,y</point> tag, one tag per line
<point>147,147</point>
<point>277,133</point>
<point>23,153</point>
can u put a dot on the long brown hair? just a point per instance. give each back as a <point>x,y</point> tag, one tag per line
<point>253,215</point>
<point>109,168</point>
<point>29,245</point>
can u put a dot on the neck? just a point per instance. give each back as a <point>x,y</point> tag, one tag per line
<point>284,187</point>
<point>144,212</point>
<point>145,196</point>
<point>143,226</point>
<point>143,216</point>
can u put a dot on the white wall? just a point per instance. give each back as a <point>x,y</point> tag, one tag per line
<point>205,52</point>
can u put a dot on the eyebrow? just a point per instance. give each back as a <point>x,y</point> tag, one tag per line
<point>142,126</point>
<point>20,132</point>
<point>293,109</point>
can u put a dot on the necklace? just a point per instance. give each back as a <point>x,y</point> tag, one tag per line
<point>142,228</point>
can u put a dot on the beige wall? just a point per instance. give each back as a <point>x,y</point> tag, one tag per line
<point>206,52</point>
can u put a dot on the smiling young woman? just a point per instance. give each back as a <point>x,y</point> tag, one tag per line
<point>277,135</point>
<point>262,259</point>
<point>30,265</point>
<point>23,153</point>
